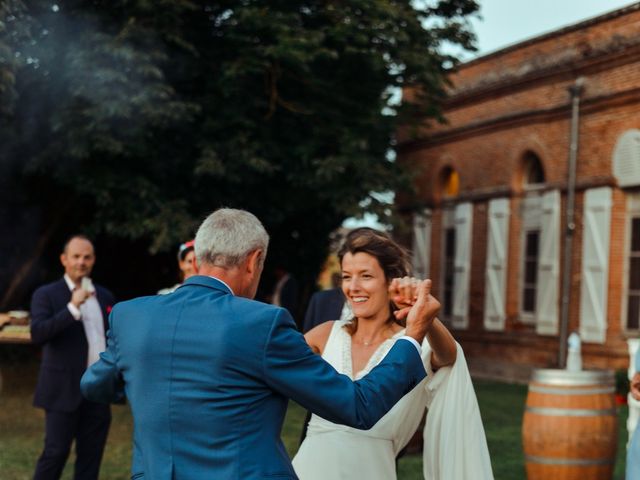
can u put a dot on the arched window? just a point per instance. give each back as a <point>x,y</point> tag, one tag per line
<point>632,294</point>
<point>532,177</point>
<point>539,247</point>
<point>450,183</point>
<point>533,171</point>
<point>455,256</point>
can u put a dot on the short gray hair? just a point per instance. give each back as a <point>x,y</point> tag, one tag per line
<point>228,236</point>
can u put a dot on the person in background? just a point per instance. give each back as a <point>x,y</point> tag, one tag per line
<point>285,292</point>
<point>69,320</point>
<point>186,265</point>
<point>326,305</point>
<point>633,451</point>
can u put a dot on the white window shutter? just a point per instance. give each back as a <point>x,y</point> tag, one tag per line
<point>462,265</point>
<point>496,269</point>
<point>421,243</point>
<point>595,264</point>
<point>547,286</point>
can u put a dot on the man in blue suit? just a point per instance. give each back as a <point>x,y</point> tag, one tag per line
<point>69,320</point>
<point>208,371</point>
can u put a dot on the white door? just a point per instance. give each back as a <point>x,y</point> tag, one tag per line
<point>547,283</point>
<point>462,265</point>
<point>496,269</point>
<point>595,265</point>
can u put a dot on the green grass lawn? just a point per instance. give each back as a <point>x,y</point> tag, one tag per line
<point>21,431</point>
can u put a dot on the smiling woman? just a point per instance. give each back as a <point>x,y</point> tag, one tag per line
<point>366,289</point>
<point>376,284</point>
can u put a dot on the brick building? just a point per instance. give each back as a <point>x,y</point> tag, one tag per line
<point>495,192</point>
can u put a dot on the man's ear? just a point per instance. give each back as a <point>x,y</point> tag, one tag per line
<point>254,261</point>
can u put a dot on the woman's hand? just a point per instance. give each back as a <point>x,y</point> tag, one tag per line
<point>404,291</point>
<point>415,303</point>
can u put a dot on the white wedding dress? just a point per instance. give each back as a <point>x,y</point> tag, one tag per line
<point>455,444</point>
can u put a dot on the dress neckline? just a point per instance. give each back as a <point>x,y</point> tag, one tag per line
<point>374,359</point>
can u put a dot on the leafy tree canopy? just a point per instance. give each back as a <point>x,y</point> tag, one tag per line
<point>147,115</point>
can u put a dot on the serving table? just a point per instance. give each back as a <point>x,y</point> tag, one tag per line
<point>14,329</point>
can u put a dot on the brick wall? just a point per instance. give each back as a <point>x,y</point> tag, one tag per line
<point>516,101</point>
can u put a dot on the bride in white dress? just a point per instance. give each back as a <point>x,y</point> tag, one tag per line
<point>455,444</point>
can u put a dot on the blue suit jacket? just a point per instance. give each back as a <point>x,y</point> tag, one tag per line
<point>208,375</point>
<point>64,345</point>
<point>324,305</point>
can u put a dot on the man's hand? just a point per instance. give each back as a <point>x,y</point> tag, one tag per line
<point>404,291</point>
<point>79,296</point>
<point>634,386</point>
<point>415,303</point>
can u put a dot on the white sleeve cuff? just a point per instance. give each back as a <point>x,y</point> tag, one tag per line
<point>78,316</point>
<point>412,340</point>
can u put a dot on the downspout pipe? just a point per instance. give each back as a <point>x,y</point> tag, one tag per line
<point>575,91</point>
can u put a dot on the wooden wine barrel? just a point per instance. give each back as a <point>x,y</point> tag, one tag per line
<point>569,429</point>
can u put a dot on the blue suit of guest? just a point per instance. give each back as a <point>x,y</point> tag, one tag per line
<point>633,451</point>
<point>208,372</point>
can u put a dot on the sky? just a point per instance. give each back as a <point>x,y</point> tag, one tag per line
<point>505,22</point>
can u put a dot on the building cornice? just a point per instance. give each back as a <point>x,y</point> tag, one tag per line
<point>522,118</point>
<point>509,83</point>
<point>590,22</point>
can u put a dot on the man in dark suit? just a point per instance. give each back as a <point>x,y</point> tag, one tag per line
<point>208,371</point>
<point>324,305</point>
<point>69,320</point>
<point>285,291</point>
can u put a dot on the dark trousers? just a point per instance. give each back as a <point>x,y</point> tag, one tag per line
<point>89,426</point>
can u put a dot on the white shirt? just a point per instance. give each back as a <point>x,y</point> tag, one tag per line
<point>90,314</point>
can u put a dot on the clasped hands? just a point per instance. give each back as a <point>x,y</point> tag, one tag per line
<point>415,303</point>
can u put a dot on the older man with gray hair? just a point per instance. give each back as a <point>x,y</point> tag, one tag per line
<point>208,370</point>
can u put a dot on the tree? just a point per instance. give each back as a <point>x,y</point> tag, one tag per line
<point>151,114</point>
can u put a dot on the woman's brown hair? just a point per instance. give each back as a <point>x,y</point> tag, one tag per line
<point>393,259</point>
